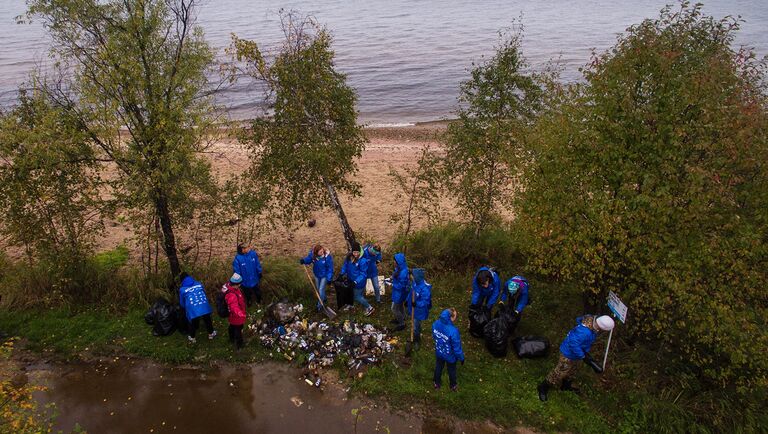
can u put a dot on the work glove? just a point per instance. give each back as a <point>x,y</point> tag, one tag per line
<point>462,362</point>
<point>301,262</point>
<point>593,364</point>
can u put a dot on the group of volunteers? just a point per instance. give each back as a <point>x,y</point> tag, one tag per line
<point>411,296</point>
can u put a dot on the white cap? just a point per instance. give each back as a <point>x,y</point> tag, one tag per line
<point>605,323</point>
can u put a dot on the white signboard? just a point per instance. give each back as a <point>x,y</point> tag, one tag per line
<point>617,307</point>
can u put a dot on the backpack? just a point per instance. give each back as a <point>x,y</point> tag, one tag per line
<point>222,308</point>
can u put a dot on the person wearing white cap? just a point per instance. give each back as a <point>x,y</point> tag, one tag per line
<point>575,347</point>
<point>236,306</point>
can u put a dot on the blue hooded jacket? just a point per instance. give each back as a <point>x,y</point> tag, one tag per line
<point>579,340</point>
<point>193,299</point>
<point>248,266</point>
<point>423,295</point>
<point>400,281</point>
<point>447,339</point>
<point>322,266</point>
<point>372,270</point>
<point>492,292</point>
<point>356,271</point>
<point>522,293</point>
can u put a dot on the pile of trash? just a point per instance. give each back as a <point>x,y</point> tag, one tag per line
<point>318,344</point>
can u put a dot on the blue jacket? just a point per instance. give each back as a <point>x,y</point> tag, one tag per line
<point>356,271</point>
<point>423,295</point>
<point>579,339</point>
<point>248,266</point>
<point>492,292</point>
<point>522,293</point>
<point>401,283</point>
<point>322,266</point>
<point>447,339</point>
<point>193,299</point>
<point>373,270</point>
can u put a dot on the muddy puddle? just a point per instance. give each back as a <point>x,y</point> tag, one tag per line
<point>140,396</point>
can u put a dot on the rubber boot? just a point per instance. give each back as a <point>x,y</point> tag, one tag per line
<point>568,386</point>
<point>543,388</point>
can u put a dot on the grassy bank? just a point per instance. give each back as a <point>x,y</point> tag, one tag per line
<point>634,395</point>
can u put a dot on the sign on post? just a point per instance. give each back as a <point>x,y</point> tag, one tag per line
<point>619,309</point>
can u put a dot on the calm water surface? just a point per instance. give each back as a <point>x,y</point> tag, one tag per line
<point>405,58</point>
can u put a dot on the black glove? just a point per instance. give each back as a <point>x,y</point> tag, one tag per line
<point>301,261</point>
<point>593,364</point>
<point>462,363</point>
<point>260,276</point>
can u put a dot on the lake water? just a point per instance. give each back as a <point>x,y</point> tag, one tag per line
<point>405,58</point>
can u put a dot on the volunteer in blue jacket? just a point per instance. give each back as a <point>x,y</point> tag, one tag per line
<point>422,293</point>
<point>401,286</point>
<point>485,287</point>
<point>355,266</point>
<point>516,292</point>
<point>447,347</point>
<point>575,348</point>
<point>247,265</point>
<point>193,300</point>
<point>372,254</point>
<point>322,269</point>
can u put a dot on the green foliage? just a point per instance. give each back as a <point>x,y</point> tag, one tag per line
<point>309,142</point>
<point>138,65</point>
<point>487,145</point>
<point>50,200</point>
<point>453,247</point>
<point>649,180</point>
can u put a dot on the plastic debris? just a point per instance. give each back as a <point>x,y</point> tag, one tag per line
<point>317,345</point>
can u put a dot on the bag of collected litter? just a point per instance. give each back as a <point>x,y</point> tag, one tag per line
<point>497,337</point>
<point>508,314</point>
<point>344,291</point>
<point>222,308</point>
<point>149,317</point>
<point>182,324</point>
<point>531,346</point>
<point>281,311</point>
<point>164,316</point>
<point>478,318</point>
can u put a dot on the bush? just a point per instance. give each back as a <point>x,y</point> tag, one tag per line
<point>454,247</point>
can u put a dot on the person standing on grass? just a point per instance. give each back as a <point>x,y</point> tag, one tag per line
<point>575,348</point>
<point>322,269</point>
<point>447,347</point>
<point>247,265</point>
<point>355,266</point>
<point>236,304</point>
<point>401,285</point>
<point>372,253</point>
<point>193,300</point>
<point>485,287</point>
<point>423,295</point>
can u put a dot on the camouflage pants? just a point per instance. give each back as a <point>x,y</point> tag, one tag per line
<point>565,369</point>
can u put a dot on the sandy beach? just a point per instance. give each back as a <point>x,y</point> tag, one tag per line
<point>369,215</point>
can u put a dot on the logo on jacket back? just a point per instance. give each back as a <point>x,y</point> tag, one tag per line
<point>196,298</point>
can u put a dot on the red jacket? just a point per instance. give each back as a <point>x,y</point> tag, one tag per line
<point>236,304</point>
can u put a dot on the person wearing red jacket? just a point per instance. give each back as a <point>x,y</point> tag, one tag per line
<point>236,304</point>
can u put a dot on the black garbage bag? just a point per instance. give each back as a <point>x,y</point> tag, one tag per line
<point>281,311</point>
<point>508,314</point>
<point>182,324</point>
<point>149,317</point>
<point>163,315</point>
<point>530,346</point>
<point>345,291</point>
<point>497,337</point>
<point>478,318</point>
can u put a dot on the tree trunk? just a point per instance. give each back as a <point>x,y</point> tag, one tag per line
<point>169,240</point>
<point>349,236</point>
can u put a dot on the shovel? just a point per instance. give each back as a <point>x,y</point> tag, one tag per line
<point>409,344</point>
<point>327,310</point>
